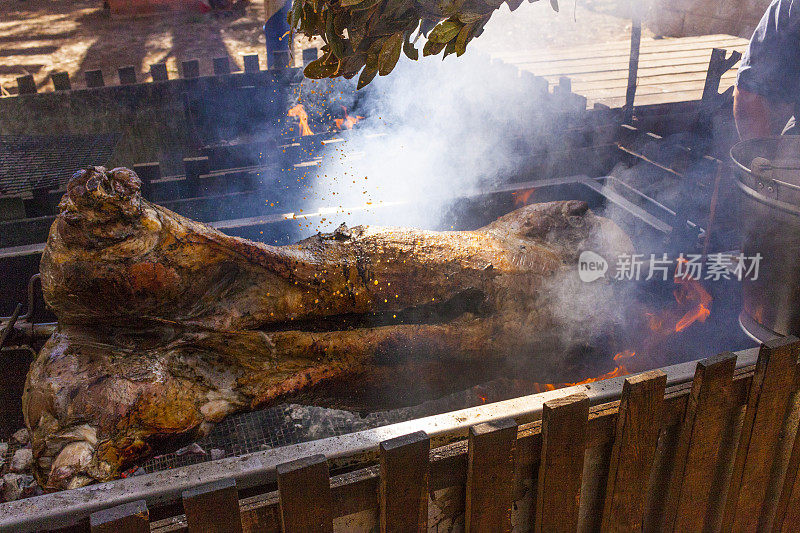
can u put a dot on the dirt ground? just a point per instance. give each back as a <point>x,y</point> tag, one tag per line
<point>41,36</point>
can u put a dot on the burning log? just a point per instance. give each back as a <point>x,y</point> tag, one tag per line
<point>370,34</point>
<point>167,325</point>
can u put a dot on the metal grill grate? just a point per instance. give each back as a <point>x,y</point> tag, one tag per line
<point>287,424</point>
<point>46,162</point>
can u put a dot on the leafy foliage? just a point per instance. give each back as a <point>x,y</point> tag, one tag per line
<point>368,36</point>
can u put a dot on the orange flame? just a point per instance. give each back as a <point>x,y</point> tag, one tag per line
<point>347,122</point>
<point>299,112</point>
<point>619,371</point>
<point>522,197</point>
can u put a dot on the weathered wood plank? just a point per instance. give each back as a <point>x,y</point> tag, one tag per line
<point>404,476</point>
<point>94,79</point>
<point>213,508</point>
<point>61,81</point>
<point>190,68</point>
<point>130,517</point>
<point>26,84</point>
<point>221,66</point>
<point>633,451</point>
<point>787,514</point>
<point>695,460</point>
<point>766,409</point>
<point>127,75</point>
<point>304,487</point>
<point>490,476</point>
<point>251,63</point>
<point>564,434</point>
<point>158,71</point>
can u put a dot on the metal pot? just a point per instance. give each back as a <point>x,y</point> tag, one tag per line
<point>768,177</point>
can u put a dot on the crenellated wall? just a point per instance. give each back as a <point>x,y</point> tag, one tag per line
<point>682,18</point>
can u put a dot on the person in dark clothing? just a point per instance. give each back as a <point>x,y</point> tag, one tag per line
<point>767,96</point>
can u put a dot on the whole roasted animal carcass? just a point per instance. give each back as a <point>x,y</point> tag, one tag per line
<point>167,325</point>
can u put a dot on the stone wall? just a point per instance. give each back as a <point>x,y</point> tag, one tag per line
<point>683,18</point>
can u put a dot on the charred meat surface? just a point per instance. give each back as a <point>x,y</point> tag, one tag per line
<point>167,325</point>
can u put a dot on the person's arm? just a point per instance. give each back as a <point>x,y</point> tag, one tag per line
<point>757,115</point>
<point>767,81</point>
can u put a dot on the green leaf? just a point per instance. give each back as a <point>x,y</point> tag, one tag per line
<point>411,52</point>
<point>296,13</point>
<point>445,32</point>
<point>449,49</point>
<point>390,53</point>
<point>333,38</point>
<point>431,48</point>
<point>463,38</point>
<point>321,68</point>
<point>554,4</point>
<point>351,65</point>
<point>367,75</point>
<point>348,3</point>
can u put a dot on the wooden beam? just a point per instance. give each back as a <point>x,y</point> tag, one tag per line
<point>26,84</point>
<point>94,79</point>
<point>221,65</point>
<point>766,410</point>
<point>695,460</point>
<point>304,487</point>
<point>127,75</point>
<point>130,517</point>
<point>787,514</point>
<point>564,428</point>
<point>213,508</point>
<point>633,451</point>
<point>190,69</point>
<point>490,476</point>
<point>404,474</point>
<point>158,72</point>
<point>251,63</point>
<point>61,81</point>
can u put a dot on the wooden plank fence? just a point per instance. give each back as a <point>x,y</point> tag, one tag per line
<point>731,465</point>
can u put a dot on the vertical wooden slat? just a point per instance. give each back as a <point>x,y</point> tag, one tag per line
<point>695,463</point>
<point>305,496</point>
<point>26,84</point>
<point>222,66</point>
<point>61,81</point>
<point>251,63</point>
<point>281,59</point>
<point>194,167</point>
<point>213,508</point>
<point>158,72</point>
<point>763,420</point>
<point>787,514</point>
<point>94,79</point>
<point>638,426</point>
<point>564,424</point>
<point>130,517</point>
<point>190,68</point>
<point>147,172</point>
<point>310,54</point>
<point>490,476</point>
<point>127,75</point>
<point>404,473</point>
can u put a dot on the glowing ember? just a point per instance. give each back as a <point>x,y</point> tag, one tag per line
<point>347,122</point>
<point>619,371</point>
<point>522,197</point>
<point>299,112</point>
